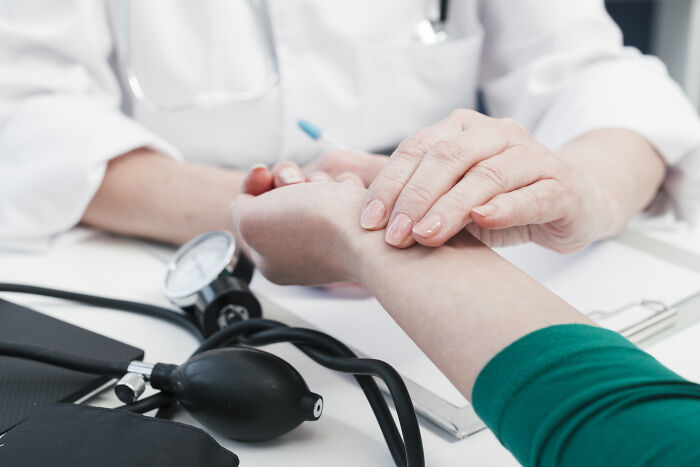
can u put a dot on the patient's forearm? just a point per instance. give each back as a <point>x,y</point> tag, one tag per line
<point>151,195</point>
<point>461,303</point>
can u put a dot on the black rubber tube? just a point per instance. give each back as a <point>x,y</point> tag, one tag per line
<point>64,360</point>
<point>184,321</point>
<point>308,340</point>
<point>156,401</point>
<point>331,353</point>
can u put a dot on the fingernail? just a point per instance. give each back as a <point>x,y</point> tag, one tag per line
<point>485,210</point>
<point>428,226</point>
<point>373,215</point>
<point>257,167</point>
<point>289,175</point>
<point>398,230</point>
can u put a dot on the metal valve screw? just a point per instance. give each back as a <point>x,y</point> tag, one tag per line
<point>130,387</point>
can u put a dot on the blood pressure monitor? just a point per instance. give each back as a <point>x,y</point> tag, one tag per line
<point>209,276</point>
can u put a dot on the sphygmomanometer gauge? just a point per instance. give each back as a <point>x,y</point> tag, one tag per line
<point>209,276</point>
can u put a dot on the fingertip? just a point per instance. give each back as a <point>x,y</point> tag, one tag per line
<point>287,173</point>
<point>258,180</point>
<point>399,232</point>
<point>373,215</point>
<point>441,233</point>
<point>318,176</point>
<point>487,210</point>
<point>289,176</point>
<point>490,216</point>
<point>429,226</point>
<point>408,242</point>
<point>429,241</point>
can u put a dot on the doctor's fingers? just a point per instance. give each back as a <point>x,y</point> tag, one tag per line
<point>501,237</point>
<point>345,177</point>
<point>514,168</point>
<point>443,166</point>
<point>351,178</point>
<point>318,176</point>
<point>258,180</point>
<point>287,173</point>
<point>386,187</point>
<point>542,202</point>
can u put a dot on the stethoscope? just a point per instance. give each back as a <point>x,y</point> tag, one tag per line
<point>228,384</point>
<point>428,31</point>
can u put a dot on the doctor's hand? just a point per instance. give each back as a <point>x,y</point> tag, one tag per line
<point>303,234</point>
<point>338,165</point>
<point>488,175</point>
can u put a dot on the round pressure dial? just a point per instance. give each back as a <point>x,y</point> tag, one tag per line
<point>197,264</point>
<point>209,277</point>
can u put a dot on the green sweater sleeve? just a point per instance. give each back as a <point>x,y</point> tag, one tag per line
<point>577,395</point>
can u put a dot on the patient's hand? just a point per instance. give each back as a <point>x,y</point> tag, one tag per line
<point>303,233</point>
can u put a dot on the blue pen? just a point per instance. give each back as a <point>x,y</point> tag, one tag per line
<point>319,135</point>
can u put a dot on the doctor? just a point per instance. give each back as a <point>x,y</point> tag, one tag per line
<point>139,117</point>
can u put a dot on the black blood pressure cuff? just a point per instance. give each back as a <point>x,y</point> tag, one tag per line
<point>68,435</point>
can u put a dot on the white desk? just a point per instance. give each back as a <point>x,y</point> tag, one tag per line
<point>346,435</point>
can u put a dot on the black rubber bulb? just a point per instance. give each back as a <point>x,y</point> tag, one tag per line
<point>241,393</point>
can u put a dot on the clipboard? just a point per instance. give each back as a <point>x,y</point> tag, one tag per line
<point>657,317</point>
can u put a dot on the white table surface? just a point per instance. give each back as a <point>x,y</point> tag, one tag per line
<point>346,435</point>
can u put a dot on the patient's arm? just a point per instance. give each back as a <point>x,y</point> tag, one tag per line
<point>461,303</point>
<point>555,396</point>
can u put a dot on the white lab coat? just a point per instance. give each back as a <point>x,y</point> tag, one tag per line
<point>353,67</point>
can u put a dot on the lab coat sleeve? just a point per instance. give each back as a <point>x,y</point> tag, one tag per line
<point>60,121</point>
<point>559,67</point>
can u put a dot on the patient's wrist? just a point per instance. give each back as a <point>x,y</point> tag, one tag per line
<point>348,239</point>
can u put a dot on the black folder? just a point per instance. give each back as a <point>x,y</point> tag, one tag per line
<point>27,386</point>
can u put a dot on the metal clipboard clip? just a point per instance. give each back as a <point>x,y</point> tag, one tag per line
<point>661,317</point>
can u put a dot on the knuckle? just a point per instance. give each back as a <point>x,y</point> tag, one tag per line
<point>448,152</point>
<point>418,194</point>
<point>412,148</point>
<point>455,206</point>
<point>512,125</point>
<point>386,185</point>
<point>491,174</point>
<point>537,200</point>
<point>464,114</point>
